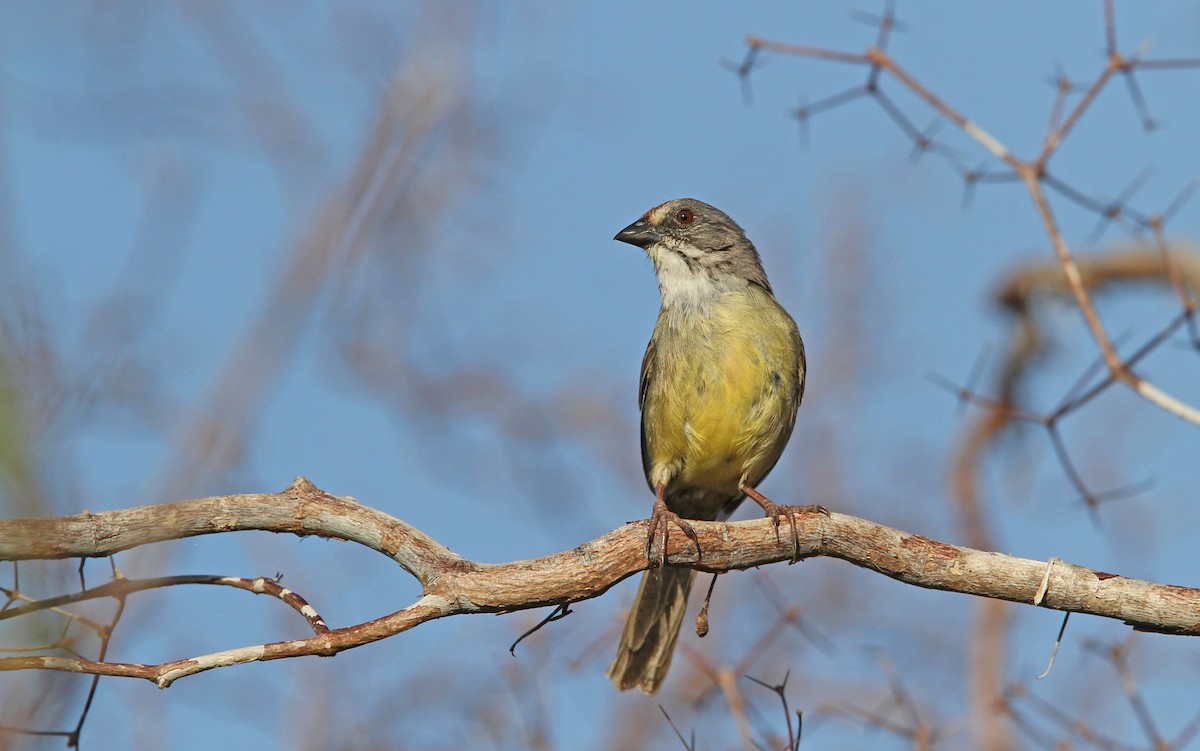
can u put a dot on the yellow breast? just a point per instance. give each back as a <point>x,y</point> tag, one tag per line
<point>723,385</point>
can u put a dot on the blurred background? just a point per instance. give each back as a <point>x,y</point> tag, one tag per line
<point>370,243</point>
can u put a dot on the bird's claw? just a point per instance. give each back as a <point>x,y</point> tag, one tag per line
<point>775,511</point>
<point>662,517</point>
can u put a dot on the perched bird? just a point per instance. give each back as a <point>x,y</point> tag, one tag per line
<point>721,381</point>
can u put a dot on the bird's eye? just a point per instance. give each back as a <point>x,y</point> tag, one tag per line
<point>685,216</point>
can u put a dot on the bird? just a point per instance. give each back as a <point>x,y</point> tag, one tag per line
<point>721,380</point>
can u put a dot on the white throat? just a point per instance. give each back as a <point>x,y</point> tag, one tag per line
<point>681,284</point>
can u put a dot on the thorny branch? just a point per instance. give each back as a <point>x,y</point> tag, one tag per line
<point>1080,279</point>
<point>454,585</point>
<point>1023,296</point>
<point>1033,173</point>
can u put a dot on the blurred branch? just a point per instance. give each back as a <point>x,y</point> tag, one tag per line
<point>454,585</point>
<point>1022,294</point>
<point>426,147</point>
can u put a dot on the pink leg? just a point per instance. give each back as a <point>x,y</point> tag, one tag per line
<point>661,516</point>
<point>775,511</point>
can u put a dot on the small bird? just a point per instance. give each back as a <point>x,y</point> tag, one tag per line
<point>721,381</point>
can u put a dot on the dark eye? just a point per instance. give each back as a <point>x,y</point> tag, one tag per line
<point>685,216</point>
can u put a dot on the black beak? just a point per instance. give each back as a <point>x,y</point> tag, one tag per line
<point>641,233</point>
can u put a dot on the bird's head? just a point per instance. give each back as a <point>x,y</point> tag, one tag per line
<point>697,250</point>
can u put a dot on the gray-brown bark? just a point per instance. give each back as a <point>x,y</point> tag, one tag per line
<point>454,585</point>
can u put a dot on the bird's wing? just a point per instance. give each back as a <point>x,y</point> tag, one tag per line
<point>647,373</point>
<point>802,369</point>
<point>643,389</point>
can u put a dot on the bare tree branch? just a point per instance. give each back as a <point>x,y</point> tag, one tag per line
<point>121,587</point>
<point>1033,173</point>
<point>454,585</point>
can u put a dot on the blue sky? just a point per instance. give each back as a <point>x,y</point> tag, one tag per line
<point>150,224</point>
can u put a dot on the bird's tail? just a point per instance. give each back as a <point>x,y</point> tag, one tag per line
<point>652,629</point>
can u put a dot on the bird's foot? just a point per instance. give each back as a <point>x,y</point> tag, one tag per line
<point>776,511</point>
<point>661,518</point>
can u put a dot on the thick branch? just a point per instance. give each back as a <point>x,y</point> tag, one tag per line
<point>454,585</point>
<point>303,509</point>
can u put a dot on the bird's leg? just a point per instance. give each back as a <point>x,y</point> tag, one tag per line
<point>661,516</point>
<point>775,511</point>
<point>702,618</point>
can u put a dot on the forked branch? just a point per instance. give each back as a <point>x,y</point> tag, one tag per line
<point>454,585</point>
<point>1033,172</point>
